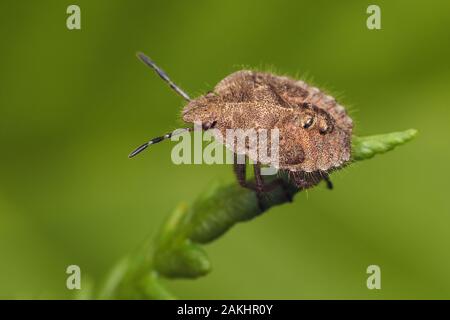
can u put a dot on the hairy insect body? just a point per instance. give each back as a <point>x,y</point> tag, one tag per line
<point>315,131</point>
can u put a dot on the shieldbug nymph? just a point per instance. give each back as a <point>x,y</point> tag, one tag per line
<point>314,130</point>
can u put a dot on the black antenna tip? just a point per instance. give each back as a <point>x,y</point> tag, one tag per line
<point>138,150</point>
<point>144,58</point>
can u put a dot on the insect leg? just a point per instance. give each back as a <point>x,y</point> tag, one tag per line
<point>259,188</point>
<point>240,172</point>
<point>163,75</point>
<point>258,178</point>
<point>262,189</point>
<point>328,181</point>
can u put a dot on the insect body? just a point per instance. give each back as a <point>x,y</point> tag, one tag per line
<point>314,130</point>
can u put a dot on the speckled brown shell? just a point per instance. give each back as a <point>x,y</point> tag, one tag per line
<point>308,149</point>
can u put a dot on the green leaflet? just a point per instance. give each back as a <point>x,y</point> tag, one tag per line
<point>366,147</point>
<point>176,252</point>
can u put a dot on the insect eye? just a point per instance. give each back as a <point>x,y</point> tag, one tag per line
<point>323,129</point>
<point>325,125</point>
<point>307,122</point>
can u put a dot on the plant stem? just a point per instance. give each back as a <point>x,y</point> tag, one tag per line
<point>177,251</point>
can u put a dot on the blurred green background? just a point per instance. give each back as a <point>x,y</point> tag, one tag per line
<point>74,103</point>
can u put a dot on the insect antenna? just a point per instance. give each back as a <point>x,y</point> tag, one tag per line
<point>163,75</point>
<point>157,140</point>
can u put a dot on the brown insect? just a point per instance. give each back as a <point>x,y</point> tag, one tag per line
<point>314,130</point>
